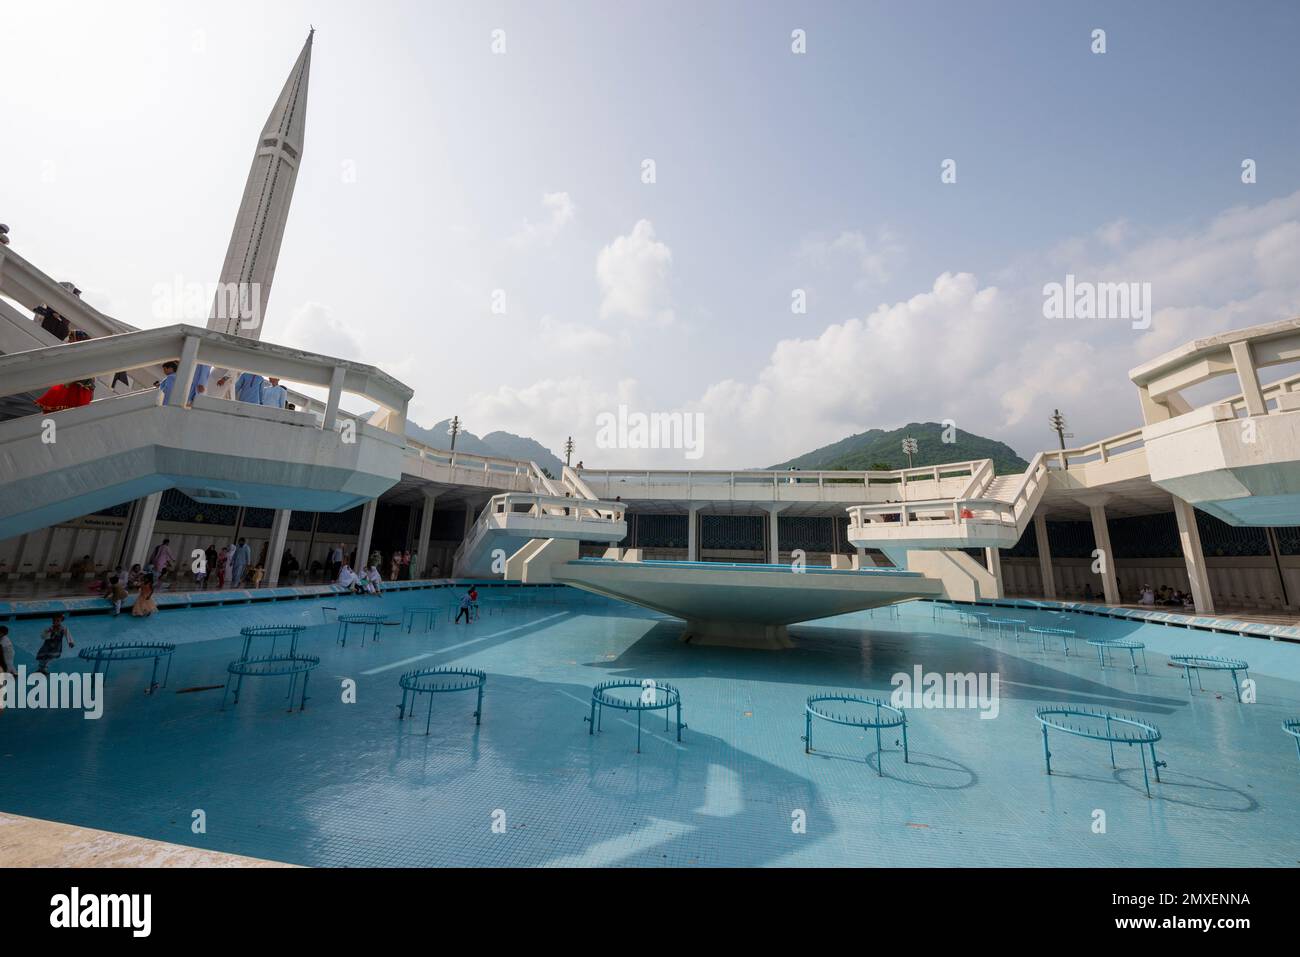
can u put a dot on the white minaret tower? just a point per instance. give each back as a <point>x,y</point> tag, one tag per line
<point>259,226</point>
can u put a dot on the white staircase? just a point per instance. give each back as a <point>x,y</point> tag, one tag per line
<point>516,521</point>
<point>929,536</point>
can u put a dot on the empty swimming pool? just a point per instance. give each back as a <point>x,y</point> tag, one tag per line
<point>343,782</point>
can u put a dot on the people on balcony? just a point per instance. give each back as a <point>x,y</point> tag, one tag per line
<point>248,388</point>
<point>71,395</point>
<point>274,395</point>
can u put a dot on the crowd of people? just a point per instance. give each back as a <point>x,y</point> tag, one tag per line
<point>248,386</point>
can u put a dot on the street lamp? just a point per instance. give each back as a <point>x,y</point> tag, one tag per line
<point>454,431</point>
<point>568,451</point>
<point>910,447</point>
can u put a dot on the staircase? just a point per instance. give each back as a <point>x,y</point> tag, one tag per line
<point>930,536</point>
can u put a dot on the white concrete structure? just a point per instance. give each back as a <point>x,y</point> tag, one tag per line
<point>66,464</point>
<point>1236,458</point>
<point>512,521</point>
<point>746,606</point>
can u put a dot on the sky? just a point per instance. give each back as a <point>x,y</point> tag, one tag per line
<point>473,213</point>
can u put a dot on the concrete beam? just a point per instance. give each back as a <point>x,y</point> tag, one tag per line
<point>1198,575</point>
<point>1044,556</point>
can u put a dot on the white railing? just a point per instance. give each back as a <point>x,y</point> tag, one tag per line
<point>578,512</point>
<point>189,346</point>
<point>608,482</point>
<point>1101,451</point>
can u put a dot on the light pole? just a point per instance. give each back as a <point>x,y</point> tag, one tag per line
<point>568,451</point>
<point>454,431</point>
<point>1057,423</point>
<point>910,447</point>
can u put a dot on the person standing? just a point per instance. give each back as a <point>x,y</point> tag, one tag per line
<point>335,560</point>
<point>248,388</point>
<point>52,639</point>
<point>239,562</point>
<point>274,394</point>
<point>144,602</point>
<point>162,558</point>
<point>116,594</point>
<point>210,556</point>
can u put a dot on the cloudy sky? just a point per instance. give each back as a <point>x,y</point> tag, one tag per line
<point>442,176</point>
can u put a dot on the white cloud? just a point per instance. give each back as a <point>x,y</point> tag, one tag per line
<point>315,328</point>
<point>563,336</point>
<point>560,212</point>
<point>633,273</point>
<point>871,262</point>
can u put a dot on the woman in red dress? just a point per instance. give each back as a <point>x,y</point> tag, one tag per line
<point>70,396</point>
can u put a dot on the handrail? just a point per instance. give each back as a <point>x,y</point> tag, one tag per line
<point>71,362</point>
<point>550,506</point>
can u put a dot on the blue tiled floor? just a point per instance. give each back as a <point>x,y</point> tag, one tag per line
<point>345,784</point>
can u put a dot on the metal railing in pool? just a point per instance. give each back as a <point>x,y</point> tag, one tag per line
<point>1123,644</point>
<point>1292,727</point>
<point>651,695</point>
<point>433,681</point>
<point>427,612</point>
<point>1065,634</point>
<point>1118,729</point>
<point>106,654</point>
<point>1199,663</point>
<point>275,633</point>
<point>369,624</point>
<point>881,716</point>
<point>271,666</point>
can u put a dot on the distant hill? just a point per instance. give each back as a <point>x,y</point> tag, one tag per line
<point>501,444</point>
<point>879,447</point>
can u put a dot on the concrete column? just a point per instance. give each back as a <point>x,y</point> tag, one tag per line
<point>422,541</point>
<point>993,558</point>
<point>185,372</point>
<point>1101,536</point>
<point>275,547</point>
<point>146,515</point>
<point>332,402</point>
<point>1244,362</point>
<point>367,529</point>
<point>1198,573</point>
<point>470,514</point>
<point>693,534</point>
<point>773,534</point>
<point>1044,556</point>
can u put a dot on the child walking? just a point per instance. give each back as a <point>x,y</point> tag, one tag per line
<point>52,643</point>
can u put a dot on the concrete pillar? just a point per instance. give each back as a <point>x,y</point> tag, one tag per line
<point>330,420</point>
<point>773,534</point>
<point>146,515</point>
<point>275,547</point>
<point>993,558</point>
<point>422,542</point>
<point>693,534</point>
<point>185,372</point>
<point>1243,361</point>
<point>367,529</point>
<point>471,513</point>
<point>1044,556</point>
<point>1101,536</point>
<point>1198,573</point>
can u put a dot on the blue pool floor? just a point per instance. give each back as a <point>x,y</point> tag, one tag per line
<point>348,785</point>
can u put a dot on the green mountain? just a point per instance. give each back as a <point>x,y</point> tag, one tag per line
<point>877,447</point>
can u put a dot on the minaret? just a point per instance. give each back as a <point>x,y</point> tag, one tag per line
<point>259,225</point>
